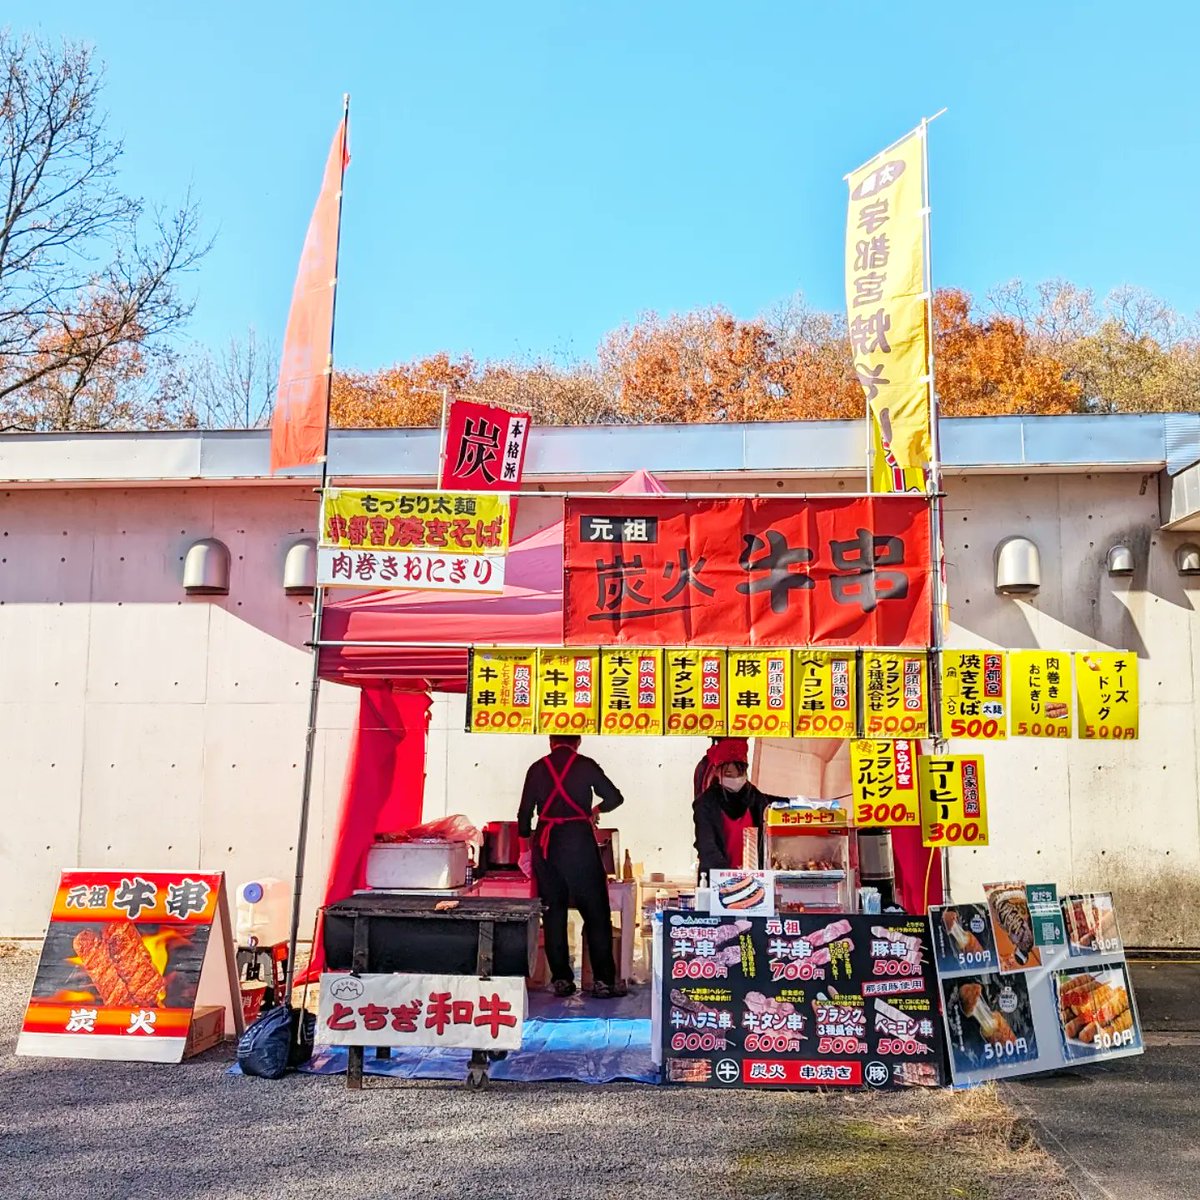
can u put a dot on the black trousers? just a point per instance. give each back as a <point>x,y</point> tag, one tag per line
<point>572,876</point>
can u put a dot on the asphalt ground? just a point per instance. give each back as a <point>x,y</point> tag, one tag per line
<point>73,1130</point>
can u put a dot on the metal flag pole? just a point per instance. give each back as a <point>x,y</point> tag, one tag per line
<point>318,602</point>
<point>441,471</point>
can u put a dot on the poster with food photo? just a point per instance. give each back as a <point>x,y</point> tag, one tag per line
<point>1096,1014</point>
<point>962,938</point>
<point>1091,924</point>
<point>1012,926</point>
<point>989,1024</point>
<point>742,893</point>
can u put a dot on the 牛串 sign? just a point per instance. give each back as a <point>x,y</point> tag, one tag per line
<point>883,775</point>
<point>823,682</point>
<point>568,691</point>
<point>501,690</point>
<point>454,1011</point>
<point>1106,687</point>
<point>895,694</point>
<point>743,572</point>
<point>128,956</point>
<point>953,800</point>
<point>973,695</point>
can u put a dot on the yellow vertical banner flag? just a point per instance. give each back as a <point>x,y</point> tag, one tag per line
<point>883,775</point>
<point>568,691</point>
<point>953,800</point>
<point>886,310</point>
<point>695,692</point>
<point>973,695</point>
<point>501,692</point>
<point>823,684</point>
<point>1041,693</point>
<point>630,691</point>
<point>1106,689</point>
<point>895,694</point>
<point>760,693</point>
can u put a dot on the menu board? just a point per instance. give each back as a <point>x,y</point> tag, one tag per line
<point>805,1001</point>
<point>1018,998</point>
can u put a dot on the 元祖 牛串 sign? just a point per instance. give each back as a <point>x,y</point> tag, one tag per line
<point>1041,693</point>
<point>485,447</point>
<point>760,693</point>
<point>895,694</point>
<point>973,695</point>
<point>823,682</point>
<point>883,775</point>
<point>742,572</point>
<point>631,691</point>
<point>123,965</point>
<point>501,693</point>
<point>1106,688</point>
<point>439,522</point>
<point>953,800</point>
<point>454,1011</point>
<point>695,692</point>
<point>568,691</point>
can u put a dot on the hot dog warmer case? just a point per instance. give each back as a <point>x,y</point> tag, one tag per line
<point>813,849</point>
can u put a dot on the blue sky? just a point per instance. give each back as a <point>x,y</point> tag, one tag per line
<point>527,176</point>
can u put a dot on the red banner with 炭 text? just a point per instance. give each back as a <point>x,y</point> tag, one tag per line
<point>747,572</point>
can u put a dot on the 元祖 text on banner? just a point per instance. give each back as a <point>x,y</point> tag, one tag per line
<point>886,308</point>
<point>760,693</point>
<point>439,522</point>
<point>973,695</point>
<point>823,682</point>
<point>1040,682</point>
<point>485,447</point>
<point>1106,689</point>
<point>745,572</point>
<point>630,691</point>
<point>953,800</point>
<point>884,777</point>
<point>895,694</point>
<point>568,691</point>
<point>501,691</point>
<point>695,692</point>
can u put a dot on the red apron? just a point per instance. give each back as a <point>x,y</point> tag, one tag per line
<point>733,828</point>
<point>560,796</point>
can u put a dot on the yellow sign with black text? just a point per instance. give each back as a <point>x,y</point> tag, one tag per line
<point>1106,689</point>
<point>1041,693</point>
<point>501,695</point>
<point>973,695</point>
<point>438,522</point>
<point>631,691</point>
<point>760,693</point>
<point>568,691</point>
<point>823,684</point>
<point>695,692</point>
<point>895,694</point>
<point>883,775</point>
<point>953,800</point>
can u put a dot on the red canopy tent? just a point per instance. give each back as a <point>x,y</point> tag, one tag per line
<point>398,647</point>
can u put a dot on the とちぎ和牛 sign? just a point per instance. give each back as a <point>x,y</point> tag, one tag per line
<point>485,447</point>
<point>953,800</point>
<point>1106,688</point>
<point>973,694</point>
<point>883,775</point>
<point>744,572</point>
<point>695,692</point>
<point>501,690</point>
<point>823,682</point>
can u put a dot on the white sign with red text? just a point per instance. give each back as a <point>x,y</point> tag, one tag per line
<point>456,1011</point>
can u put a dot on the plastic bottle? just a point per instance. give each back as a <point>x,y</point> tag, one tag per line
<point>264,912</point>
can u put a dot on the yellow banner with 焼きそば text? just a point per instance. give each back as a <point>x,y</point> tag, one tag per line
<point>886,307</point>
<point>437,522</point>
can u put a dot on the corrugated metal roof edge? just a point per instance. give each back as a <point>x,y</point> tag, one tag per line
<point>974,444</point>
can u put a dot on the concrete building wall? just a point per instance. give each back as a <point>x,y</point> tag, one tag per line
<point>141,727</point>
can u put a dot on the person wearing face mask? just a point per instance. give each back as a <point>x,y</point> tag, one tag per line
<point>727,807</point>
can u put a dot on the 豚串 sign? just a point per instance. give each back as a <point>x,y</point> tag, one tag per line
<point>823,682</point>
<point>501,690</point>
<point>1106,687</point>
<point>1041,693</point>
<point>695,691</point>
<point>120,970</point>
<point>760,693</point>
<point>630,691</point>
<point>454,1011</point>
<point>895,694</point>
<point>973,694</point>
<point>883,775</point>
<point>485,447</point>
<point>799,1000</point>
<point>568,691</point>
<point>741,572</point>
<point>953,800</point>
<point>438,522</point>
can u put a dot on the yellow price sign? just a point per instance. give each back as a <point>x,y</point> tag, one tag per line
<point>630,691</point>
<point>953,800</point>
<point>974,695</point>
<point>440,522</point>
<point>501,695</point>
<point>695,692</point>
<point>895,693</point>
<point>823,682</point>
<point>760,693</point>
<point>568,691</point>
<point>1106,687</point>
<point>883,775</point>
<point>1041,693</point>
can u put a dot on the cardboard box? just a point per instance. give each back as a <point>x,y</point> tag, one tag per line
<point>206,1031</point>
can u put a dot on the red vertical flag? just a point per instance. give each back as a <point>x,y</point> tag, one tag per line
<point>485,448</point>
<point>301,415</point>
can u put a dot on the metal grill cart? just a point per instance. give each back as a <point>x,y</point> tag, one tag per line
<point>814,851</point>
<point>382,932</point>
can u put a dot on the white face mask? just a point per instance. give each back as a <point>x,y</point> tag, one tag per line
<point>733,783</point>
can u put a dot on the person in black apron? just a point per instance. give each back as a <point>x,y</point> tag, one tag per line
<point>566,859</point>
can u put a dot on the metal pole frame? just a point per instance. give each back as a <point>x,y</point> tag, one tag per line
<point>318,607</point>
